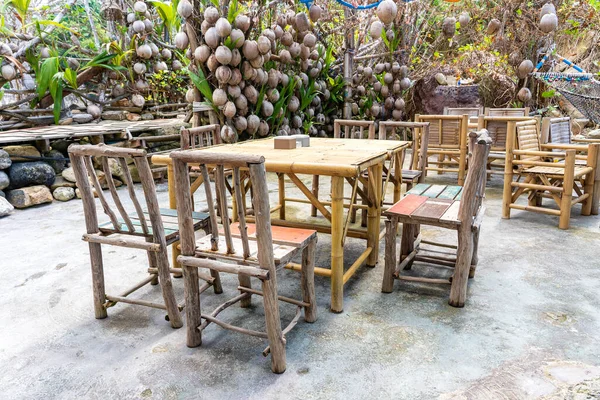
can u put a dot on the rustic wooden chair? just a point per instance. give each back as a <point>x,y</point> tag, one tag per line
<point>452,207</point>
<point>447,141</point>
<point>418,159</point>
<point>557,178</point>
<point>247,250</point>
<point>201,136</point>
<point>472,112</point>
<point>151,230</point>
<point>556,130</point>
<point>506,112</point>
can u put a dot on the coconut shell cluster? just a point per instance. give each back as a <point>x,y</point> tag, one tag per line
<point>548,18</point>
<point>378,90</point>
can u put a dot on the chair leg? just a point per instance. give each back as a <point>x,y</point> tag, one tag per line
<point>315,192</point>
<point>363,215</point>
<point>273,322</point>
<point>458,289</point>
<point>391,228</point>
<point>407,243</point>
<point>475,257</point>
<point>152,263</point>
<point>166,285</point>
<point>244,281</point>
<point>192,306</point>
<point>308,280</point>
<point>98,280</point>
<point>217,287</point>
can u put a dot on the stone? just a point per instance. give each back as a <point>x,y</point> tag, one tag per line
<point>62,145</point>
<point>63,193</point>
<point>133,117</point>
<point>61,182</point>
<point>115,115</point>
<point>147,117</point>
<point>82,118</point>
<point>4,181</point>
<point>31,173</point>
<point>29,196</point>
<point>69,174</point>
<point>2,194</point>
<point>78,193</point>
<point>135,175</point>
<point>5,207</point>
<point>22,153</point>
<point>578,125</point>
<point>595,134</point>
<point>65,121</point>
<point>5,161</point>
<point>59,163</point>
<point>441,78</point>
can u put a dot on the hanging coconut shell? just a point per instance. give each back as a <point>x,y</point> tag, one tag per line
<point>223,55</point>
<point>263,44</point>
<point>9,72</point>
<point>287,39</point>
<point>263,128</point>
<point>166,54</point>
<point>273,95</point>
<point>385,91</point>
<point>144,51</point>
<point>388,78</point>
<point>251,94</point>
<point>386,11</point>
<point>219,97</point>
<point>223,27</point>
<point>212,38</point>
<point>242,22</point>
<point>229,109</point>
<point>241,103</point>
<point>463,19</point>
<point>389,103</point>
<point>202,53</point>
<point>524,94</point>
<point>493,26</point>
<point>228,134</point>
<point>94,111</point>
<point>258,62</point>
<point>211,14</point>
<point>236,58</point>
<point>399,104</point>
<point>547,8</point>
<point>160,66</point>
<point>376,108</point>
<point>181,40</point>
<point>304,52</point>
<point>117,91</point>
<point>240,123</point>
<point>397,114</point>
<point>301,22</point>
<point>148,25</point>
<point>295,50</point>
<point>204,27</point>
<point>525,68</point>
<point>237,38</point>
<point>449,26</point>
<point>549,23</point>
<point>154,49</point>
<point>177,65</point>
<point>379,68</point>
<point>314,12</point>
<point>250,49</point>
<point>310,40</point>
<point>223,74</point>
<point>368,72</point>
<point>141,85</point>
<point>234,91</point>
<point>267,108</point>
<point>212,63</point>
<point>236,77</point>
<point>253,122</point>
<point>138,26</point>
<point>403,71</point>
<point>130,18</point>
<point>138,100</point>
<point>185,9</point>
<point>190,95</point>
<point>293,104</point>
<point>405,83</point>
<point>140,7</point>
<point>278,31</point>
<point>389,34</point>
<point>396,88</point>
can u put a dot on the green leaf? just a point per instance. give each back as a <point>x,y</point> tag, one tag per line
<point>47,71</point>
<point>56,91</point>
<point>201,84</point>
<point>71,78</point>
<point>56,24</point>
<point>549,93</point>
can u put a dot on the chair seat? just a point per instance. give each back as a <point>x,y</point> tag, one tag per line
<point>451,192</point>
<point>169,219</point>
<point>281,235</point>
<point>417,209</point>
<point>554,171</point>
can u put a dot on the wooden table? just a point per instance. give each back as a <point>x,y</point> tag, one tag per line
<point>344,160</point>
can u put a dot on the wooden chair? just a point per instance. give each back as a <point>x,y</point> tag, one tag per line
<point>247,250</point>
<point>557,178</point>
<point>152,229</point>
<point>497,127</point>
<point>556,130</point>
<point>472,112</point>
<point>447,141</point>
<point>506,112</point>
<point>452,207</point>
<point>201,136</point>
<point>418,159</point>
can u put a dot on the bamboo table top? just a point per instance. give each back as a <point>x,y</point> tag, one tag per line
<point>325,156</point>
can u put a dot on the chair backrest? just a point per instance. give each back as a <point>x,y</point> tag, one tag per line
<point>470,111</point>
<point>474,187</point>
<point>497,127</point>
<point>201,136</point>
<point>147,222</point>
<point>507,112</point>
<point>556,130</point>
<point>528,138</point>
<point>260,199</point>
<point>420,140</point>
<point>353,129</point>
<point>446,131</point>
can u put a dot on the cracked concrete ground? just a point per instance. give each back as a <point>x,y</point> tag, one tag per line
<point>529,329</point>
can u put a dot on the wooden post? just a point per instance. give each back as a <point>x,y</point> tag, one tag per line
<point>407,242</point>
<point>462,161</point>
<point>596,191</point>
<point>590,178</point>
<point>315,191</point>
<point>391,228</point>
<point>567,194</point>
<point>511,133</point>
<point>348,64</point>
<point>188,248</point>
<point>308,280</point>
<point>337,250</point>
<point>374,213</point>
<point>173,205</point>
<point>266,260</point>
<point>281,181</point>
<point>399,157</point>
<point>91,224</point>
<point>423,146</point>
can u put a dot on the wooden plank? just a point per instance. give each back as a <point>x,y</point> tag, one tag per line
<point>432,208</point>
<point>407,205</point>
<point>434,191</point>
<point>450,192</point>
<point>451,214</point>
<point>419,188</point>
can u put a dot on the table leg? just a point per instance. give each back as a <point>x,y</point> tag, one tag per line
<point>337,249</point>
<point>374,212</point>
<point>173,205</point>
<point>398,176</point>
<point>281,179</point>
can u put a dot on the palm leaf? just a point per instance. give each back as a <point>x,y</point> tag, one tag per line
<point>201,84</point>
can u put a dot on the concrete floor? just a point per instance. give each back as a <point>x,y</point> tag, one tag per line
<point>529,329</point>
